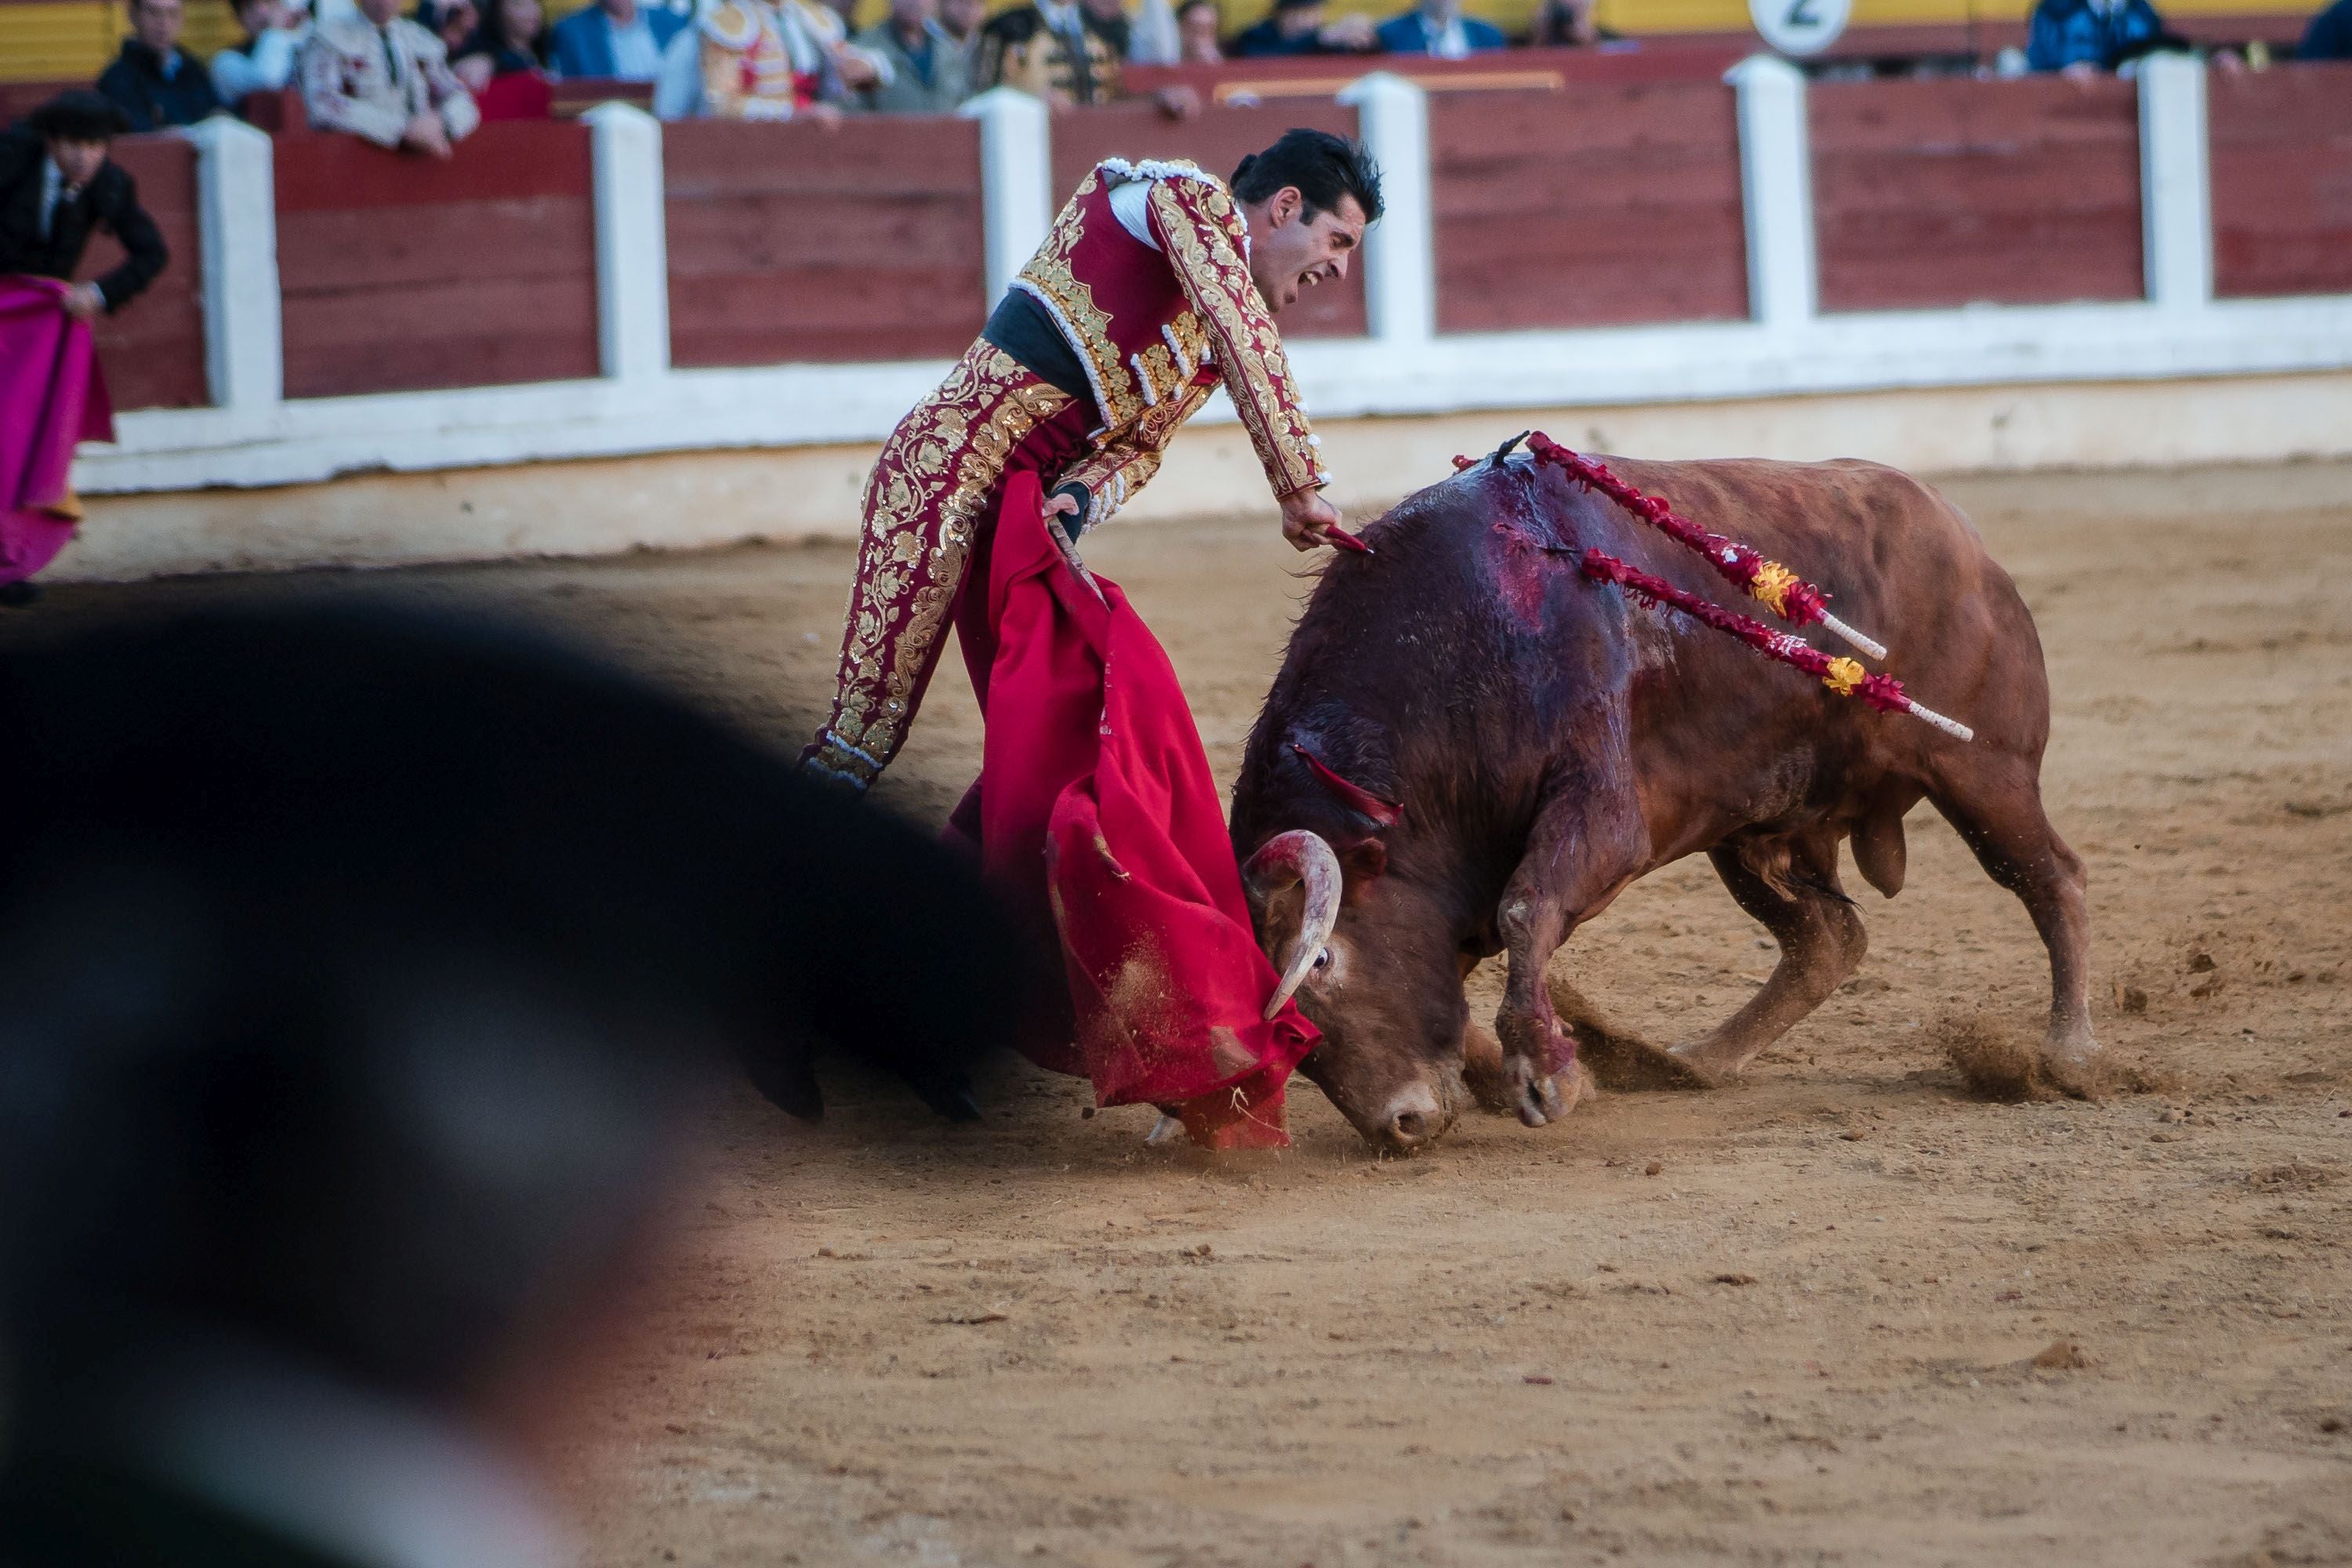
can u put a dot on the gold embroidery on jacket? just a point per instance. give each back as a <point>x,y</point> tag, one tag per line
<point>1255,371</point>
<point>1087,325</point>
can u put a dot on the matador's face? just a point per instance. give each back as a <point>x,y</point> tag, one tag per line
<point>1291,252</point>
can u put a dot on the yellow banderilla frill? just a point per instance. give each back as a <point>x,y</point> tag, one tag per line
<point>1844,675</point>
<point>1771,584</point>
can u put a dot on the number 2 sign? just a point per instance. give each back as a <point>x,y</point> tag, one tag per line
<point>1800,27</point>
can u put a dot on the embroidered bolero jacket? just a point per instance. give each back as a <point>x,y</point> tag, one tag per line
<point>1157,329</point>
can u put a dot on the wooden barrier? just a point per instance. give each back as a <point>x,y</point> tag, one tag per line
<point>1217,139</point>
<point>1608,206</point>
<point>153,350</point>
<point>2282,155</point>
<point>402,272</point>
<point>1953,192</point>
<point>800,243</point>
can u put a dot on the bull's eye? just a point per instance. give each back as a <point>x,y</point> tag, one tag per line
<point>1323,959</point>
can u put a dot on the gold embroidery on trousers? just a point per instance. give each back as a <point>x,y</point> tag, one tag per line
<point>923,501</point>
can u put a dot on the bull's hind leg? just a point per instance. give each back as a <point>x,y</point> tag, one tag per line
<point>1790,884</point>
<point>1996,806</point>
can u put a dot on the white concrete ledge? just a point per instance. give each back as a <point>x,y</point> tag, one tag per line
<point>806,406</point>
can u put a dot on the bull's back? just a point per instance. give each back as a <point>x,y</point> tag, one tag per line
<point>1899,562</point>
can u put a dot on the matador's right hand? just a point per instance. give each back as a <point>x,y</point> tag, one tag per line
<point>1308,519</point>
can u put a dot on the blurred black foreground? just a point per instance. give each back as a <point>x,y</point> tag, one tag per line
<point>358,973</point>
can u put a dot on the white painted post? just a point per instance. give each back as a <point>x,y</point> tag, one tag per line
<point>237,224</point>
<point>1776,183</point>
<point>1016,178</point>
<point>2176,182</point>
<point>1400,251</point>
<point>632,242</point>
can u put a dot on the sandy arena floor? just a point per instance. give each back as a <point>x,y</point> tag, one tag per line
<point>1842,1313</point>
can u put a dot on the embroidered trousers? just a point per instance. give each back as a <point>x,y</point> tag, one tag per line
<point>931,503</point>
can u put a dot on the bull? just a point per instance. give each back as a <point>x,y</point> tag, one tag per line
<point>1472,748</point>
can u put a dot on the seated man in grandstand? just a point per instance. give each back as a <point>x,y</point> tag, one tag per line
<point>616,38</point>
<point>2329,36</point>
<point>274,31</point>
<point>1058,51</point>
<point>963,19</point>
<point>2088,37</point>
<point>929,68</point>
<point>1198,26</point>
<point>155,82</point>
<point>377,74</point>
<point>1157,286</point>
<point>1567,25</point>
<point>1306,27</point>
<point>57,188</point>
<point>1440,28</point>
<point>1071,53</point>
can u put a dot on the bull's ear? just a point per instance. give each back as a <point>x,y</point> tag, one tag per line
<point>1361,862</point>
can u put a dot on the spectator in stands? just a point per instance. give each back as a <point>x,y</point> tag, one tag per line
<point>930,69</point>
<point>2329,36</point>
<point>1056,49</point>
<point>1197,26</point>
<point>155,82</point>
<point>379,76</point>
<point>830,22</point>
<point>1305,27</point>
<point>451,21</point>
<point>616,38</point>
<point>1067,52</point>
<point>274,32</point>
<point>58,187</point>
<point>2088,37</point>
<point>963,19</point>
<point>512,39</point>
<point>1439,28</point>
<point>764,61</point>
<point>1567,25</point>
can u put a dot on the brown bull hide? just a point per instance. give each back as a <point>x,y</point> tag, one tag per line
<point>1547,743</point>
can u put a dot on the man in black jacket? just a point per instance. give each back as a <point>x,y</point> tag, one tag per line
<point>156,83</point>
<point>57,188</point>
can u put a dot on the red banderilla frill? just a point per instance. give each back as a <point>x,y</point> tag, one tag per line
<point>1782,591</point>
<point>1840,675</point>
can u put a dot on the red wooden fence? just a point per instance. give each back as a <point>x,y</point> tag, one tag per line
<point>1217,139</point>
<point>803,243</point>
<point>1601,205</point>
<point>153,350</point>
<point>1945,193</point>
<point>2283,181</point>
<point>402,272</point>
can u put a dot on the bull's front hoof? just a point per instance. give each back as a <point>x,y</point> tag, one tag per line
<point>1542,1098</point>
<point>1629,1063</point>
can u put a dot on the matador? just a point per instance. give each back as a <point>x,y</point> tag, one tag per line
<point>1157,284</point>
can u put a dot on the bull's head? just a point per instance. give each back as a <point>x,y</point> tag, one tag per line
<point>1369,958</point>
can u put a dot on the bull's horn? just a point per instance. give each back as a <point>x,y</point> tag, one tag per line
<point>1283,862</point>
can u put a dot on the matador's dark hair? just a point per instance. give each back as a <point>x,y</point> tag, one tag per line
<point>1323,166</point>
